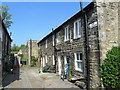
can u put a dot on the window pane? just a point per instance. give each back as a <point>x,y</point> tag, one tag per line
<point>79,28</point>
<point>67,33</point>
<point>78,57</point>
<point>76,27</point>
<point>80,66</point>
<point>58,37</point>
<point>53,40</point>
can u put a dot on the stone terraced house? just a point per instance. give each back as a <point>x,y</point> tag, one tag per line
<point>78,46</point>
<point>5,49</point>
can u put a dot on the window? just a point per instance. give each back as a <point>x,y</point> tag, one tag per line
<point>53,59</point>
<point>58,37</point>
<point>53,40</point>
<point>39,45</point>
<point>46,44</point>
<point>67,34</point>
<point>78,61</point>
<point>0,34</point>
<point>46,58</point>
<point>77,29</point>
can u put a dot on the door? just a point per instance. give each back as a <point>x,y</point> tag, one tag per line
<point>67,66</point>
<point>59,65</point>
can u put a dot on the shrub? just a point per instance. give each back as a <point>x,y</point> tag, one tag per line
<point>111,69</point>
<point>33,61</point>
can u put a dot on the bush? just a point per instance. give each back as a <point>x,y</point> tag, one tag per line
<point>33,61</point>
<point>111,69</point>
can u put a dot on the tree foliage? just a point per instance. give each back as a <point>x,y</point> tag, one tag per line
<point>16,48</point>
<point>6,17</point>
<point>111,69</point>
<point>23,47</point>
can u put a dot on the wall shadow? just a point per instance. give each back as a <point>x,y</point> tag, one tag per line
<point>12,76</point>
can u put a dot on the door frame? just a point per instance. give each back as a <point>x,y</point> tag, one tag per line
<point>59,65</point>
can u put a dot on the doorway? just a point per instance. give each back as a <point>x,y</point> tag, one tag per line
<point>67,66</point>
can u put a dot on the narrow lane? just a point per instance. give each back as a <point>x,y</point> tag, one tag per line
<point>30,78</point>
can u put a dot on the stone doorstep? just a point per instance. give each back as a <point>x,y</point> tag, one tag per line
<point>80,83</point>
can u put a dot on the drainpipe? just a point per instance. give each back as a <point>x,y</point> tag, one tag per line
<point>86,48</point>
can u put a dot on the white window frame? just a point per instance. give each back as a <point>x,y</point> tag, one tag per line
<point>46,59</point>
<point>78,31</point>
<point>46,42</point>
<point>53,37</point>
<point>78,61</point>
<point>43,61</point>
<point>53,57</point>
<point>67,35</point>
<point>58,38</point>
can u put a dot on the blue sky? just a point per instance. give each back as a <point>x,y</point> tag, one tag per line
<point>34,20</point>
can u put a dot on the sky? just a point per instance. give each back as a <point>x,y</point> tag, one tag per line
<point>34,20</point>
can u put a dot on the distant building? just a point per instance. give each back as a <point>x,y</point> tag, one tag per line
<point>32,49</point>
<point>5,49</point>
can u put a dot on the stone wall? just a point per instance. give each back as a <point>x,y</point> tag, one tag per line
<point>32,49</point>
<point>68,48</point>
<point>108,26</point>
<point>5,49</point>
<point>49,51</point>
<point>94,53</point>
<point>0,55</point>
<point>119,23</point>
<point>102,37</point>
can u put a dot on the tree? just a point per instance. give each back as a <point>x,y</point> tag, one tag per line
<point>111,69</point>
<point>6,17</point>
<point>15,48</point>
<point>23,47</point>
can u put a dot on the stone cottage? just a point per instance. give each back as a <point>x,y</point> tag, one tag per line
<point>5,49</point>
<point>78,47</point>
